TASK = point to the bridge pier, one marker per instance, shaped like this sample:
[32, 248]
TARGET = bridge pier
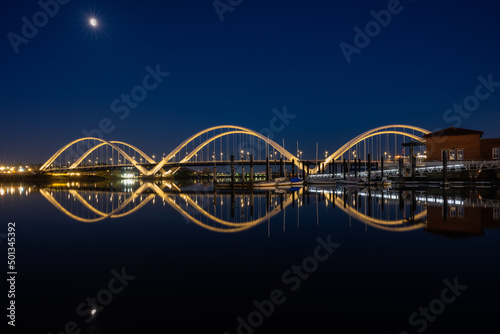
[268, 169]
[293, 167]
[251, 173]
[232, 169]
[412, 161]
[369, 167]
[445, 170]
[281, 167]
[215, 175]
[381, 167]
[345, 169]
[400, 171]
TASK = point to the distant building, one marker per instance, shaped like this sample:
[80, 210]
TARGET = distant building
[461, 144]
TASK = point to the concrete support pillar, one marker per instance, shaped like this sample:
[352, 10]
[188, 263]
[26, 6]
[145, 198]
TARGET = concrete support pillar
[251, 169]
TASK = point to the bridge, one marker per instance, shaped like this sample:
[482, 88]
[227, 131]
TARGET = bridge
[227, 145]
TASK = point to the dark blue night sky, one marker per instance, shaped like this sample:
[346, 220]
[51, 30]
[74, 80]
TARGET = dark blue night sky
[262, 55]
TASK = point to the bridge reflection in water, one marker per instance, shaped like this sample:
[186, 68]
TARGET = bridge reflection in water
[230, 211]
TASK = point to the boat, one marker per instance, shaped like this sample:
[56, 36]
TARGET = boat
[265, 184]
[352, 181]
[296, 181]
[282, 181]
[323, 180]
[385, 182]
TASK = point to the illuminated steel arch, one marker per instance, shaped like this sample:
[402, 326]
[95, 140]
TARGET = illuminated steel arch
[230, 130]
[168, 157]
[238, 130]
[82, 158]
[387, 129]
[103, 143]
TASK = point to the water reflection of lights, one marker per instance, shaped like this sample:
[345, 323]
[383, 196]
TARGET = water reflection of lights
[15, 191]
[203, 208]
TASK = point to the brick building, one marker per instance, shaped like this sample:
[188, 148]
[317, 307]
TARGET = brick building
[461, 144]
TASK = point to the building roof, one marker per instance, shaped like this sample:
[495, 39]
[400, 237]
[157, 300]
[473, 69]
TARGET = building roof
[452, 131]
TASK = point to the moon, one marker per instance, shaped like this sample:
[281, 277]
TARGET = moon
[93, 22]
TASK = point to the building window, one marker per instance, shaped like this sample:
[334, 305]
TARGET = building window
[451, 154]
[460, 211]
[453, 211]
[496, 213]
[495, 153]
[460, 154]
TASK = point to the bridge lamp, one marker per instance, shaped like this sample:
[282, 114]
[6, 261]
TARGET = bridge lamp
[154, 157]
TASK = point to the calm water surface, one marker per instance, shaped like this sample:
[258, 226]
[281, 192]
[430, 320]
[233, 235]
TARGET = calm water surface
[153, 257]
